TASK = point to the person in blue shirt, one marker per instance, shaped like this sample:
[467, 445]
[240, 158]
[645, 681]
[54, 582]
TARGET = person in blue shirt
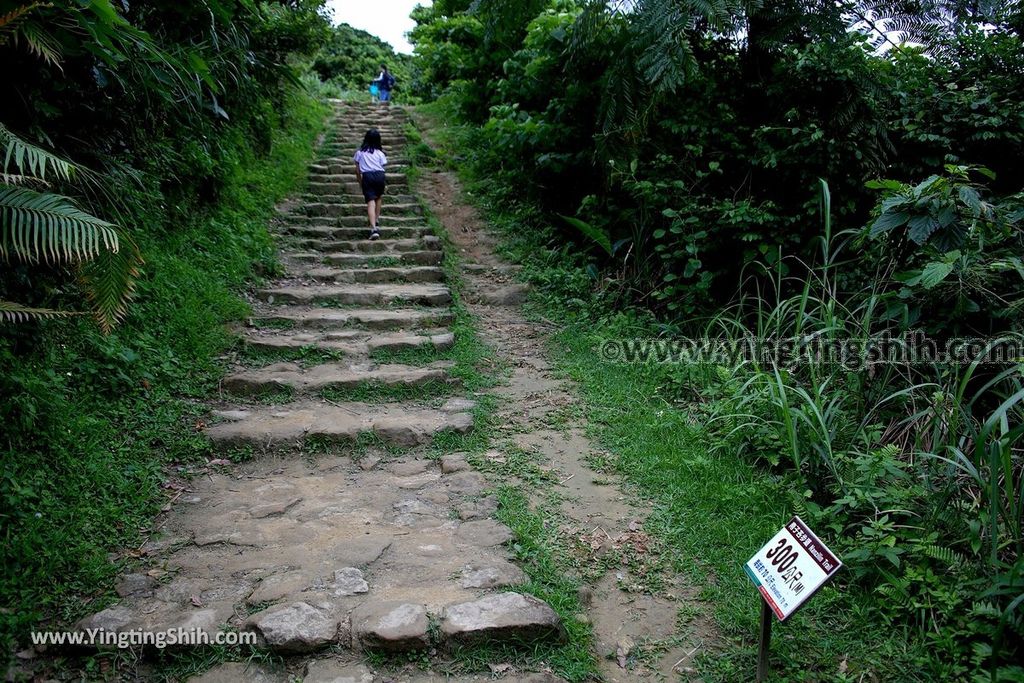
[385, 82]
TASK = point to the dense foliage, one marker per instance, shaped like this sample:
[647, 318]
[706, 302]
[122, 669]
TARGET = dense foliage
[351, 58]
[793, 171]
[172, 127]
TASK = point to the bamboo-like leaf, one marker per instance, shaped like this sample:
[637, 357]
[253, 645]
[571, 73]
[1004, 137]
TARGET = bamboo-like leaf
[28, 159]
[11, 312]
[38, 226]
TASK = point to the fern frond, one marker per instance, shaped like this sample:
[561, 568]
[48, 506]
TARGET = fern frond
[35, 160]
[17, 179]
[36, 225]
[109, 283]
[40, 42]
[947, 556]
[11, 312]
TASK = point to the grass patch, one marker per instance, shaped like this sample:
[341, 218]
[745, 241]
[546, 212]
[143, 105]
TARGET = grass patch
[710, 512]
[380, 393]
[92, 421]
[539, 553]
[306, 356]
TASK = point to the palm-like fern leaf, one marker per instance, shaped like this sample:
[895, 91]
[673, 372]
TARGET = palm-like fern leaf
[109, 282]
[31, 160]
[36, 225]
[11, 312]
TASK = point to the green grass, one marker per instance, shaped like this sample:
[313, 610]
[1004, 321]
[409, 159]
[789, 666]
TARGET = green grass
[92, 421]
[378, 393]
[710, 513]
[306, 356]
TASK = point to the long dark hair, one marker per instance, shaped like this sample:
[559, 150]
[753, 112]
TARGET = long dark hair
[371, 141]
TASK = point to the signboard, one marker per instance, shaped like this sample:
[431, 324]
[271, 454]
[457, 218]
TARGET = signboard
[791, 567]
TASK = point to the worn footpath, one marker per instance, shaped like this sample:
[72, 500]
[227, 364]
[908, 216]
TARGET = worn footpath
[349, 533]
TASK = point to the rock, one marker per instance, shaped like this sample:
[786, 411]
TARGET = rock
[132, 585]
[359, 551]
[231, 415]
[113, 619]
[273, 509]
[298, 627]
[455, 462]
[458, 405]
[511, 295]
[504, 616]
[349, 581]
[466, 483]
[485, 533]
[409, 468]
[391, 626]
[331, 671]
[207, 620]
[495, 574]
[413, 506]
[277, 586]
[478, 509]
[368, 463]
[238, 672]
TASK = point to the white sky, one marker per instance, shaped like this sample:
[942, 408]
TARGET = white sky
[387, 19]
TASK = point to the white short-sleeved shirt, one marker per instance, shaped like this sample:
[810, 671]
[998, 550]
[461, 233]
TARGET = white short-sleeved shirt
[369, 162]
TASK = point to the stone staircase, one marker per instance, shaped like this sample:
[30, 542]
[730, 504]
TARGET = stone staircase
[336, 554]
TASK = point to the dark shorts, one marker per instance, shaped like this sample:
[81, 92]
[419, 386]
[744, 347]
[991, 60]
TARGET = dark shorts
[373, 185]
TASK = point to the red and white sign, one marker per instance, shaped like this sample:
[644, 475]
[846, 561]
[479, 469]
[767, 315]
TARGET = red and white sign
[791, 568]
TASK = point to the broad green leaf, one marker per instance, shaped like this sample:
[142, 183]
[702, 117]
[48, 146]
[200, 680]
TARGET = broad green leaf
[594, 233]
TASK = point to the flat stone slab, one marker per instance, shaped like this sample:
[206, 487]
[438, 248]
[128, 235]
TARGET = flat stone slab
[395, 424]
[409, 274]
[485, 533]
[359, 295]
[455, 462]
[239, 672]
[502, 617]
[356, 344]
[493, 574]
[357, 318]
[333, 376]
[331, 671]
[511, 295]
[392, 626]
[298, 627]
[427, 257]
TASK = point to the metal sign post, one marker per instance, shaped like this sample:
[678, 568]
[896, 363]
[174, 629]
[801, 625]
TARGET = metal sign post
[787, 571]
[766, 641]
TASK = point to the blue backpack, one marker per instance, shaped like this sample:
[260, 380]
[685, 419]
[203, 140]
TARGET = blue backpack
[388, 82]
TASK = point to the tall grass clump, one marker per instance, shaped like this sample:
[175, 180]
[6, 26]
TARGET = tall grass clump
[914, 468]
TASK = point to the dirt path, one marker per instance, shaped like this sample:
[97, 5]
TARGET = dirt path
[638, 631]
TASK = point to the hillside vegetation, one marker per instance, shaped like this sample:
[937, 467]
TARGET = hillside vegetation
[801, 173]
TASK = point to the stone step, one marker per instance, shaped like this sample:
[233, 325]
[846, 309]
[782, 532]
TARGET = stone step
[358, 295]
[349, 221]
[322, 208]
[343, 165]
[333, 376]
[426, 258]
[315, 318]
[330, 180]
[369, 275]
[333, 193]
[357, 205]
[349, 342]
[367, 246]
[396, 424]
[354, 232]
